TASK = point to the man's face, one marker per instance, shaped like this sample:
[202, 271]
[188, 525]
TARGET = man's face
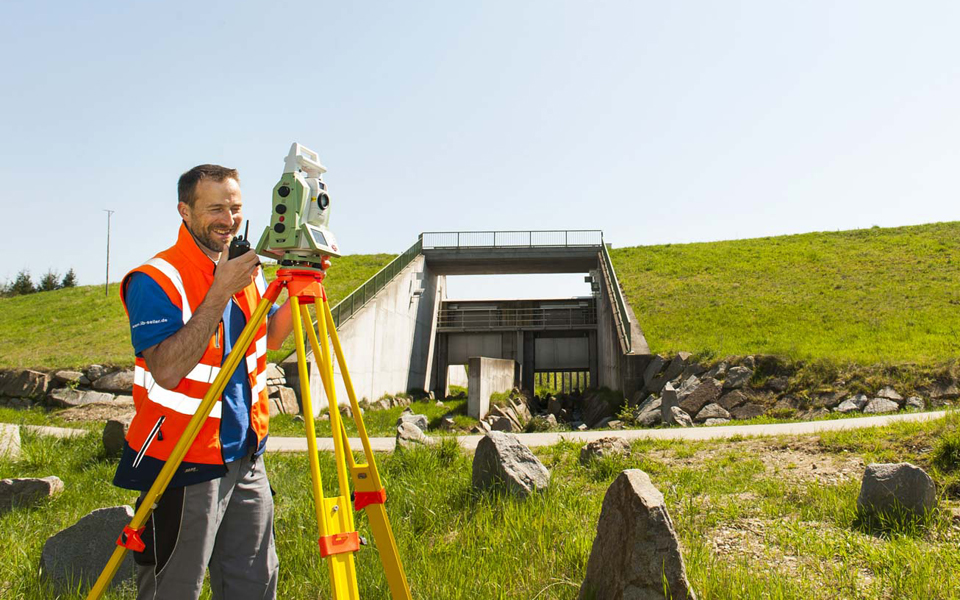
[215, 216]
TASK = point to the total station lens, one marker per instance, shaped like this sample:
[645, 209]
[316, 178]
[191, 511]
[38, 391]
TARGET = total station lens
[284, 191]
[323, 201]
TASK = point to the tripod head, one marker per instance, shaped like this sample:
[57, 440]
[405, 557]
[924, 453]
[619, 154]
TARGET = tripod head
[297, 235]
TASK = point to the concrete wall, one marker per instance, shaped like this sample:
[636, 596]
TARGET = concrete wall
[388, 344]
[456, 375]
[487, 376]
[609, 352]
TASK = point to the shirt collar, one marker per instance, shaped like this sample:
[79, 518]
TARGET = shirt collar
[188, 245]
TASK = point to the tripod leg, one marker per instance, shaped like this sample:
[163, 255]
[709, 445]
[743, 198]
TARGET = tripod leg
[367, 482]
[183, 444]
[334, 518]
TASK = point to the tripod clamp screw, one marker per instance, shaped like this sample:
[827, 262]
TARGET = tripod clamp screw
[130, 539]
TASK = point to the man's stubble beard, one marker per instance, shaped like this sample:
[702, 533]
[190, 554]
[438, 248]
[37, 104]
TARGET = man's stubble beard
[208, 242]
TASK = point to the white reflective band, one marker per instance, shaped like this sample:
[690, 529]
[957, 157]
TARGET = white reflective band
[261, 282]
[251, 364]
[200, 373]
[176, 401]
[260, 384]
[203, 373]
[261, 346]
[174, 276]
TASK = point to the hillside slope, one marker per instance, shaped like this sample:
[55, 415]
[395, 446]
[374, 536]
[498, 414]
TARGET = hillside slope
[866, 296]
[79, 326]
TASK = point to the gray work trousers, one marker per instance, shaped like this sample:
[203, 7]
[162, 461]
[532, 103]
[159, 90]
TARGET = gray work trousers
[225, 524]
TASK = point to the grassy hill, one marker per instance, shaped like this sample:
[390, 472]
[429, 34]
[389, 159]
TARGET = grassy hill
[866, 296]
[80, 326]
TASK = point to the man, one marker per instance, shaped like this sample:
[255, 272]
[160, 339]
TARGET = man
[187, 307]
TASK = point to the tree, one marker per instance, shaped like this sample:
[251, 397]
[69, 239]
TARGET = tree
[49, 282]
[69, 280]
[22, 284]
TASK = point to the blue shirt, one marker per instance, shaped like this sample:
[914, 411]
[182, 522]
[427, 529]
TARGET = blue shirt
[154, 318]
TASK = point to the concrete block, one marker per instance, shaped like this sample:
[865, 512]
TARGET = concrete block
[487, 376]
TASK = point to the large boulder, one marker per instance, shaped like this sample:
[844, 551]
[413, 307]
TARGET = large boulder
[115, 432]
[648, 413]
[737, 377]
[75, 556]
[24, 383]
[673, 370]
[501, 460]
[890, 394]
[595, 409]
[712, 411]
[706, 393]
[118, 382]
[67, 377]
[653, 369]
[283, 401]
[880, 406]
[731, 400]
[26, 492]
[409, 435]
[9, 442]
[897, 490]
[608, 446]
[69, 398]
[679, 417]
[636, 554]
[747, 411]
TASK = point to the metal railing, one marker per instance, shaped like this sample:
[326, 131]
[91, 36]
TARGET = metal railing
[574, 238]
[458, 319]
[349, 306]
[623, 317]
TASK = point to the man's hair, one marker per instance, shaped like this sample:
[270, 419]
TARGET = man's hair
[187, 186]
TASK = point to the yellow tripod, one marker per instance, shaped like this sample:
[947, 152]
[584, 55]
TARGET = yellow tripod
[335, 521]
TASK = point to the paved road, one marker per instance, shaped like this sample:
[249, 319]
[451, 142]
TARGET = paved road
[469, 442]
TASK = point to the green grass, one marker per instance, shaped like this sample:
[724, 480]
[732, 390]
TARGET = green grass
[380, 423]
[865, 296]
[801, 538]
[76, 327]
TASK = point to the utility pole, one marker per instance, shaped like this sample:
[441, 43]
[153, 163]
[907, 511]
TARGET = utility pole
[106, 283]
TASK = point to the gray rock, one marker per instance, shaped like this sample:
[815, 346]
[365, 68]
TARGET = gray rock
[409, 435]
[70, 398]
[118, 382]
[649, 413]
[737, 377]
[447, 423]
[615, 424]
[692, 370]
[778, 384]
[596, 409]
[636, 554]
[749, 362]
[829, 400]
[675, 368]
[718, 370]
[68, 377]
[915, 403]
[892, 488]
[275, 375]
[813, 414]
[706, 393]
[283, 401]
[94, 372]
[943, 390]
[75, 556]
[847, 406]
[299, 419]
[502, 460]
[499, 423]
[712, 411]
[608, 446]
[860, 400]
[668, 400]
[731, 400]
[679, 417]
[24, 383]
[653, 369]
[747, 411]
[605, 423]
[9, 441]
[508, 413]
[890, 394]
[26, 492]
[420, 421]
[879, 406]
[114, 434]
[710, 422]
[581, 427]
[687, 387]
[554, 405]
[551, 421]
[787, 403]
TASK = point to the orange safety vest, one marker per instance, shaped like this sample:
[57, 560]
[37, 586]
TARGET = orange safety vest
[185, 273]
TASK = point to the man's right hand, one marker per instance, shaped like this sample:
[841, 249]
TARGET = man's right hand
[232, 276]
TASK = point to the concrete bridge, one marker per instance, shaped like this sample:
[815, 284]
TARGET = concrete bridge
[400, 333]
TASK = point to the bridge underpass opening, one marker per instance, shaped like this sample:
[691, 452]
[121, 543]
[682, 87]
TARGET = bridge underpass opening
[517, 287]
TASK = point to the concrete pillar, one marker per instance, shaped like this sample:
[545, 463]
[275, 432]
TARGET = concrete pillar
[487, 376]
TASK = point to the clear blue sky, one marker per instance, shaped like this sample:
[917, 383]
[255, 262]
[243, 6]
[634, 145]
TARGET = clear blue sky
[657, 122]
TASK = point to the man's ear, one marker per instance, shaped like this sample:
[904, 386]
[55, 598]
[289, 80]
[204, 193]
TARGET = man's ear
[184, 210]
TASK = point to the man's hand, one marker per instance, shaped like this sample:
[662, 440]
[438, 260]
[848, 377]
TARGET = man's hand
[232, 276]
